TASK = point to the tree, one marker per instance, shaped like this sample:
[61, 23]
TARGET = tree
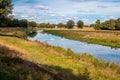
[70, 24]
[97, 25]
[6, 7]
[33, 24]
[104, 25]
[80, 24]
[61, 25]
[42, 25]
[92, 25]
[50, 25]
[117, 26]
[23, 23]
[111, 24]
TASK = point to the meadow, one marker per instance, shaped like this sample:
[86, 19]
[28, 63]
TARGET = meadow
[102, 37]
[28, 60]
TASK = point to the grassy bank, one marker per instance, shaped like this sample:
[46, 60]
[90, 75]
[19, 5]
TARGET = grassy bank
[26, 60]
[107, 38]
[21, 59]
[14, 32]
[17, 32]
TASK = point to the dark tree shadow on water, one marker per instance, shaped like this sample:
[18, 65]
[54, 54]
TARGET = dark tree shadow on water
[12, 67]
[32, 34]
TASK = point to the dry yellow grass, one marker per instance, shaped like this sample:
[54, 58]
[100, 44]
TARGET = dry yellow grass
[84, 28]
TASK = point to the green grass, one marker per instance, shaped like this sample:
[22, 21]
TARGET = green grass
[61, 62]
[21, 59]
[106, 38]
[14, 32]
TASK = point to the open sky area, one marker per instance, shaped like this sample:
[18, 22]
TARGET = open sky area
[56, 11]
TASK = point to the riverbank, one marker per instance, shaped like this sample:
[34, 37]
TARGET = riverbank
[63, 62]
[17, 32]
[31, 60]
[106, 38]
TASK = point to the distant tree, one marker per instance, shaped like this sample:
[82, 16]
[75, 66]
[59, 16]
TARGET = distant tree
[50, 25]
[111, 24]
[86, 25]
[105, 25]
[117, 26]
[42, 25]
[23, 23]
[15, 23]
[33, 24]
[70, 24]
[46, 25]
[97, 25]
[6, 7]
[61, 25]
[80, 24]
[92, 25]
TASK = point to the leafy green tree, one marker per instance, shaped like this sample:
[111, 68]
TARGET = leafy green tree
[97, 25]
[6, 7]
[111, 24]
[50, 25]
[23, 23]
[117, 26]
[15, 23]
[46, 25]
[80, 24]
[61, 25]
[42, 25]
[33, 24]
[70, 24]
[92, 25]
[104, 25]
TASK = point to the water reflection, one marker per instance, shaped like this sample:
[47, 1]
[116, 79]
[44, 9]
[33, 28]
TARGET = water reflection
[32, 34]
[99, 51]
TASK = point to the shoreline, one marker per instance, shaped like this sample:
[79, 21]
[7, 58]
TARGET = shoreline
[84, 36]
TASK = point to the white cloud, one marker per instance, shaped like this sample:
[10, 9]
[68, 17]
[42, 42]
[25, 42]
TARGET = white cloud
[52, 10]
[112, 17]
[41, 7]
[86, 11]
[102, 6]
[51, 13]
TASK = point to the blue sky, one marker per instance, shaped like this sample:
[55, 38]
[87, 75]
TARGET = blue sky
[56, 11]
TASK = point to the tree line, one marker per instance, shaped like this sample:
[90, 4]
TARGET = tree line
[107, 25]
[69, 24]
[6, 20]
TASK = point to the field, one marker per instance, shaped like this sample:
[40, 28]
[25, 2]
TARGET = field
[84, 28]
[14, 32]
[107, 38]
[21, 59]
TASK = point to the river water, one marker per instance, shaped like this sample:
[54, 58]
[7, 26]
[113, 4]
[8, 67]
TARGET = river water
[99, 51]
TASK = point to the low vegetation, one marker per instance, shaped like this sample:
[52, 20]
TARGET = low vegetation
[111, 24]
[29, 60]
[14, 32]
[107, 38]
[21, 59]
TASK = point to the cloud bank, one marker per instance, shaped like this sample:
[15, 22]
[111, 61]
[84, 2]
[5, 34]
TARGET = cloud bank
[55, 11]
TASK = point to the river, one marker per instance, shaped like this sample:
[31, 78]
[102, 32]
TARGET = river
[99, 51]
